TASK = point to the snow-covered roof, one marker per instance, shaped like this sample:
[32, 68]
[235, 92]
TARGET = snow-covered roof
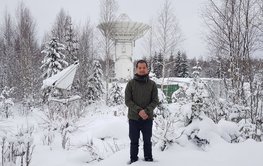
[172, 81]
[179, 80]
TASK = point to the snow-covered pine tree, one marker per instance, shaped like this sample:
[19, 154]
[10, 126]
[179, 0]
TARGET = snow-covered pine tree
[198, 98]
[184, 66]
[157, 65]
[177, 66]
[154, 64]
[95, 86]
[54, 61]
[180, 67]
[197, 93]
[116, 96]
[72, 45]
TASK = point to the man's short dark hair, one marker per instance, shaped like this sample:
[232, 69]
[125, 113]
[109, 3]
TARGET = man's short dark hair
[141, 61]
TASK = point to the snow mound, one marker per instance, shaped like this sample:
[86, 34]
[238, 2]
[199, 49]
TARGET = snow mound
[110, 127]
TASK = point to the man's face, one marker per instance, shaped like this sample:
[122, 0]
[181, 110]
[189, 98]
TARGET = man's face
[142, 69]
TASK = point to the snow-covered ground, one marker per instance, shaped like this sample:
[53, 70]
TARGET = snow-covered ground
[224, 154]
[106, 130]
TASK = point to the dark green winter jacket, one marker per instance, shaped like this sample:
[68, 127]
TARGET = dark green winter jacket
[141, 93]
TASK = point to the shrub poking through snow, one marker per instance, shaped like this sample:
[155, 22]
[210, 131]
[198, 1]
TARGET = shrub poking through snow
[116, 97]
[164, 123]
[18, 148]
[6, 102]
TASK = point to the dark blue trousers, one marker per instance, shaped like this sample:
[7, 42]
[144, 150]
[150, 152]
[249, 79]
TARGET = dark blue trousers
[145, 126]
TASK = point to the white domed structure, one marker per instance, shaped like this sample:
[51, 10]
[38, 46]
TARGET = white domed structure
[124, 34]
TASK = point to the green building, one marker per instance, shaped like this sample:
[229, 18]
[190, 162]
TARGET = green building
[168, 90]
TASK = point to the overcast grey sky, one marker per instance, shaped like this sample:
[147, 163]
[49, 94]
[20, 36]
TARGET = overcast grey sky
[188, 14]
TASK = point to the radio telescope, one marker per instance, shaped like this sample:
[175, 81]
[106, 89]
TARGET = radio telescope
[124, 33]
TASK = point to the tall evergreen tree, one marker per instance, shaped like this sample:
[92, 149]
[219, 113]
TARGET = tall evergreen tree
[197, 93]
[71, 42]
[178, 61]
[157, 65]
[116, 97]
[180, 68]
[183, 67]
[95, 86]
[54, 60]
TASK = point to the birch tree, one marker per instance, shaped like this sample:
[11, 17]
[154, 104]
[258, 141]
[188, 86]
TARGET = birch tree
[168, 33]
[108, 9]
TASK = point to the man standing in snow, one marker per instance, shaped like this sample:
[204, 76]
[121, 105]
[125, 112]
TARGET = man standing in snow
[141, 98]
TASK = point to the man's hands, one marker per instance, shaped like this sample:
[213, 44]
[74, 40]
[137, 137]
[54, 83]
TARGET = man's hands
[143, 114]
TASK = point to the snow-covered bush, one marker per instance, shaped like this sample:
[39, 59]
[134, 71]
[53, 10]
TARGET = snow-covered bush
[229, 131]
[27, 105]
[115, 96]
[202, 130]
[100, 149]
[92, 150]
[49, 127]
[6, 102]
[104, 141]
[163, 123]
[53, 124]
[66, 128]
[164, 131]
[196, 120]
[18, 149]
[247, 129]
